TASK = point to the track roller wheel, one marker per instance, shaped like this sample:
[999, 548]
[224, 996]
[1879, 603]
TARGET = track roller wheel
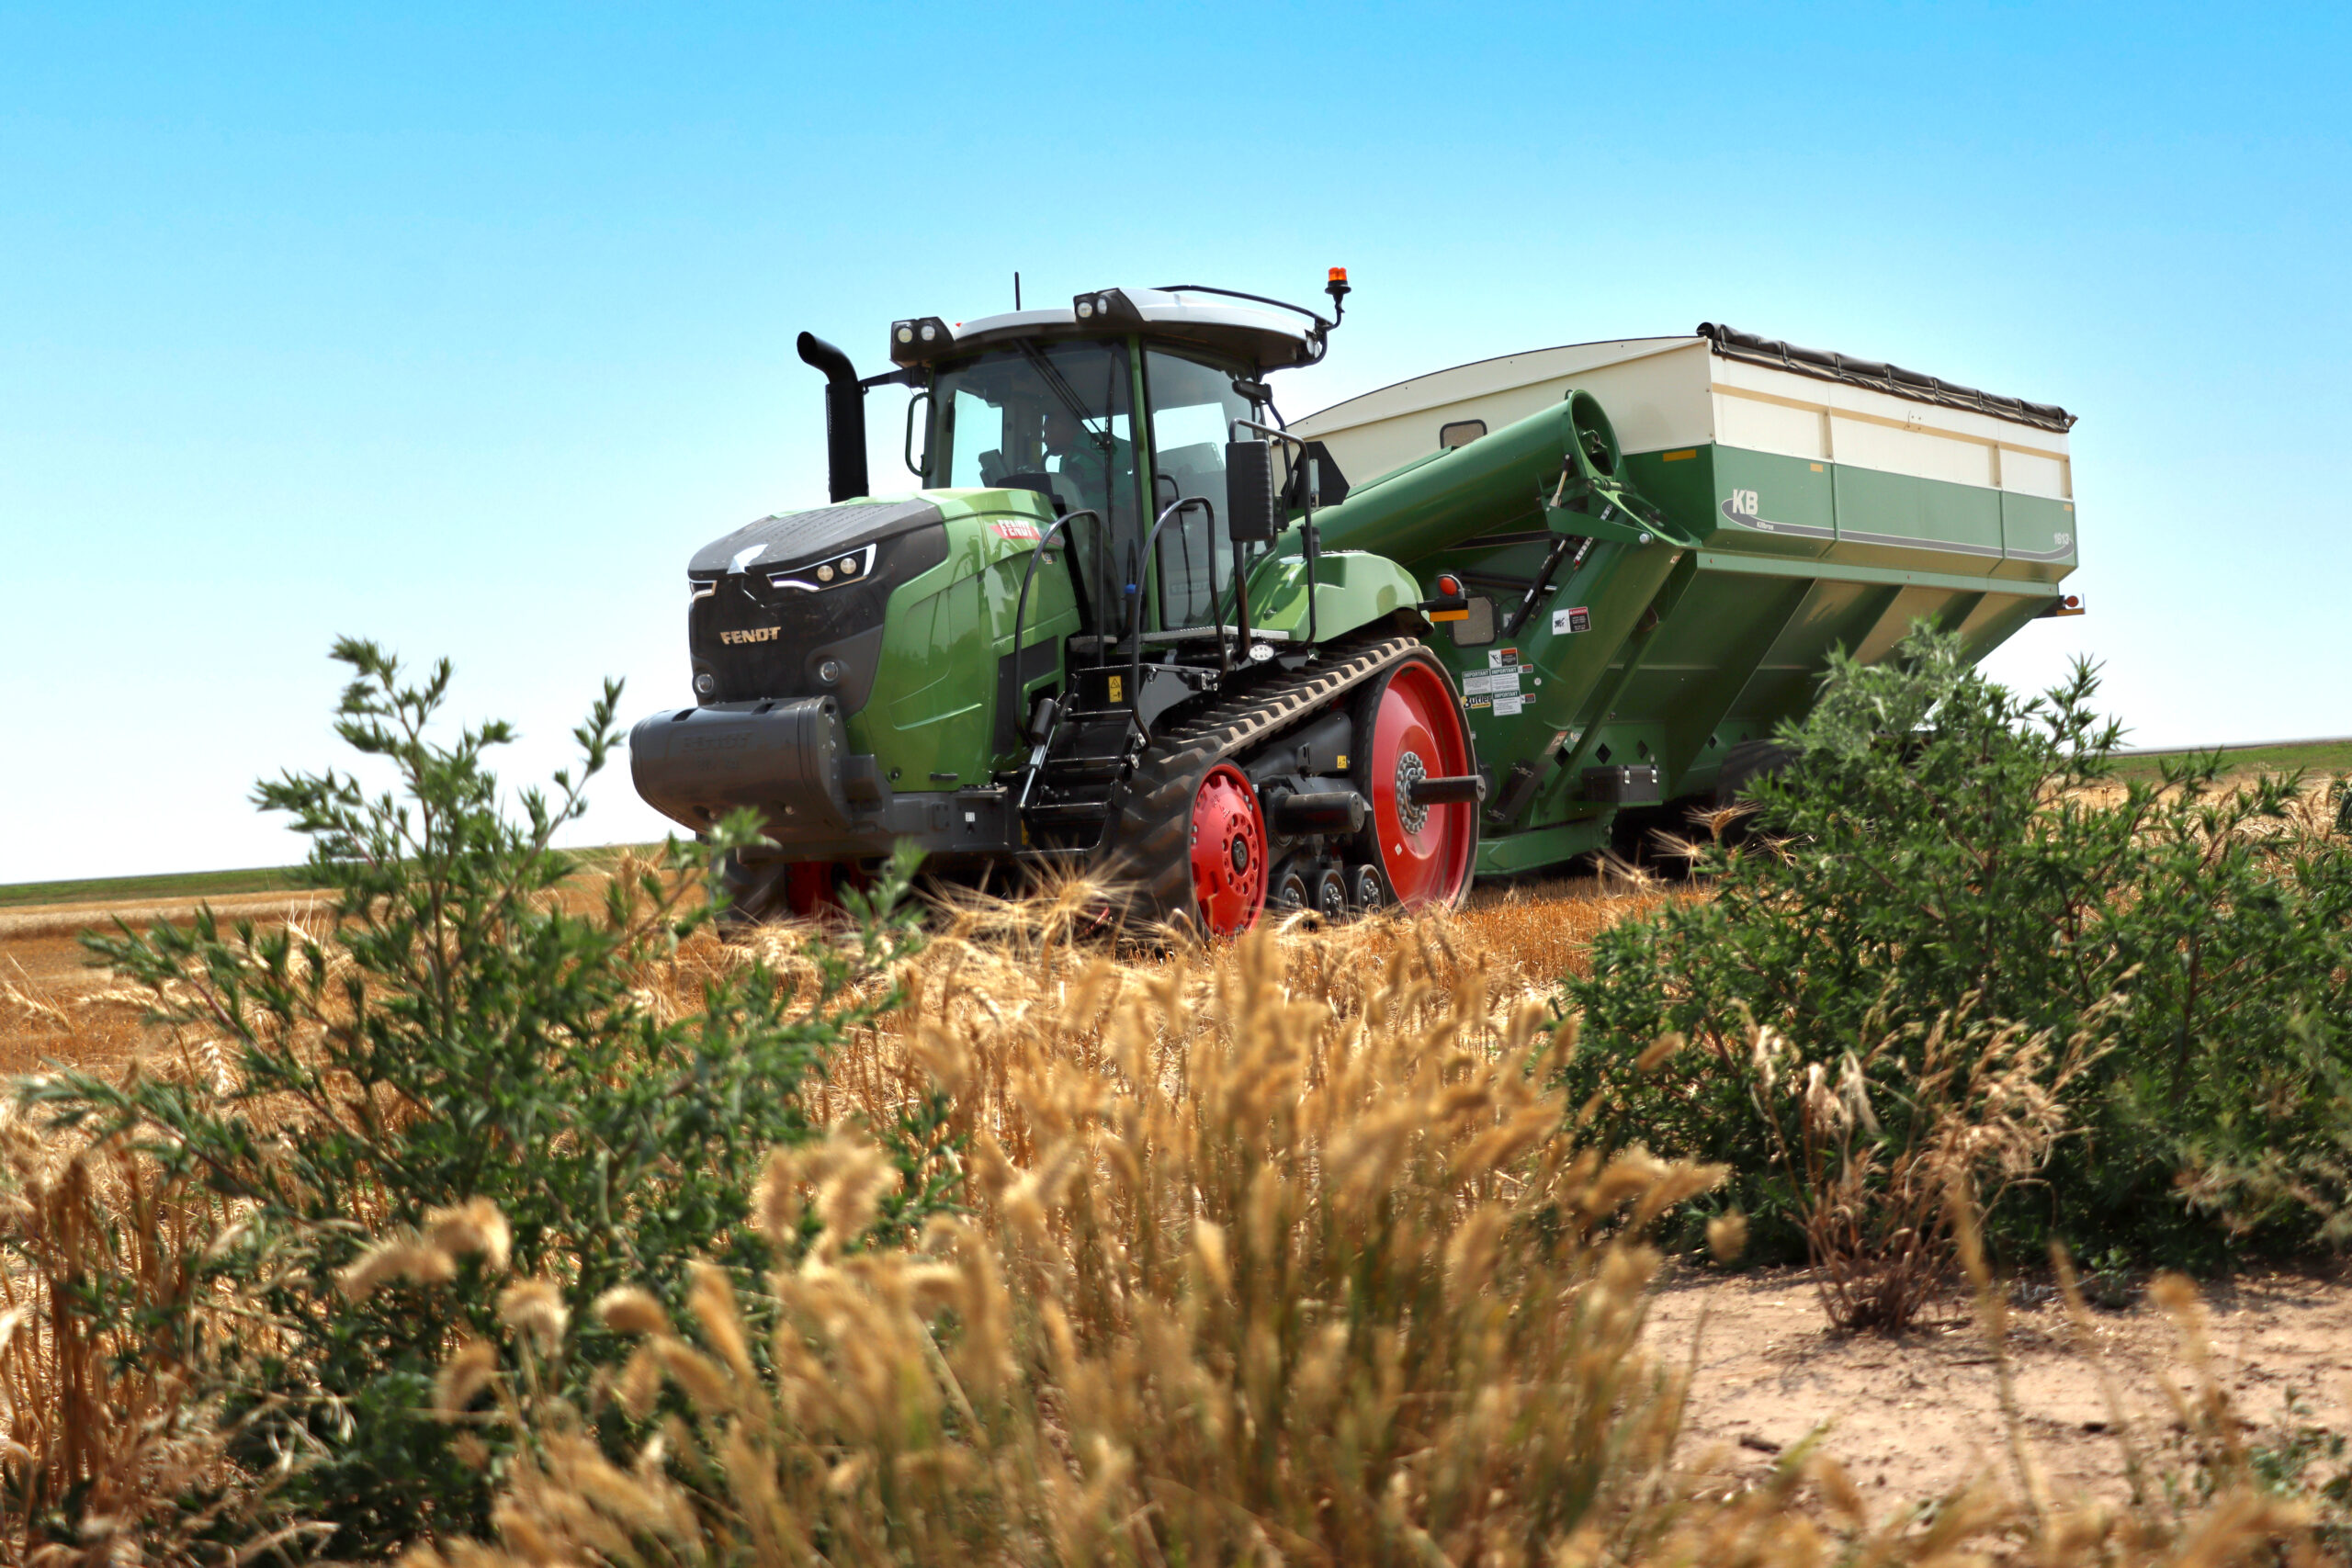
[1228, 845]
[1331, 896]
[1289, 893]
[1366, 892]
[1410, 727]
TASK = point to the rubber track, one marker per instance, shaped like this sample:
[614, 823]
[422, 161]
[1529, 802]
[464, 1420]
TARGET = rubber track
[1149, 845]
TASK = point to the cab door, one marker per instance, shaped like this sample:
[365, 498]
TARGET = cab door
[1193, 406]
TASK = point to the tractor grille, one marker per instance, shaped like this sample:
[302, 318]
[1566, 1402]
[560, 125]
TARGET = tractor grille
[756, 638]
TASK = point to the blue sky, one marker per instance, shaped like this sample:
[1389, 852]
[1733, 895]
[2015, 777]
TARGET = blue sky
[461, 327]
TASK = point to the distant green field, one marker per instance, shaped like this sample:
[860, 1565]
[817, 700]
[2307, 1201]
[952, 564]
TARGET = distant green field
[2318, 758]
[204, 883]
[184, 885]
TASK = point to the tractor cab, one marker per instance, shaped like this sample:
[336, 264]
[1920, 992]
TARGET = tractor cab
[1118, 409]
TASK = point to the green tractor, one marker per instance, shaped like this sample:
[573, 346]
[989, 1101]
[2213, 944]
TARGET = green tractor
[1102, 635]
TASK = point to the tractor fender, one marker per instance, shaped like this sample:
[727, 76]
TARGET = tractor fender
[1352, 590]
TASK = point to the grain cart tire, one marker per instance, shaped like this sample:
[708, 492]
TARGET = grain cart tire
[1644, 835]
[1408, 727]
[755, 891]
[1743, 765]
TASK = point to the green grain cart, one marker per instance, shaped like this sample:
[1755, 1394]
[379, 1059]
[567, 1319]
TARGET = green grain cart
[1134, 624]
[1779, 502]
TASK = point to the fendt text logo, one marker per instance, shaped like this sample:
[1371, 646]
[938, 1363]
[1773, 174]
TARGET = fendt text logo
[757, 634]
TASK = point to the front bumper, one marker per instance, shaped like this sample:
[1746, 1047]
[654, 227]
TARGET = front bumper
[790, 761]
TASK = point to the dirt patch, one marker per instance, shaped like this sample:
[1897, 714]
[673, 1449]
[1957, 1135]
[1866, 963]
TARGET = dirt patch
[1916, 1416]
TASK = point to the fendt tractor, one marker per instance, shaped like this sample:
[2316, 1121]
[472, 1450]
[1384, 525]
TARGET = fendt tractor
[1137, 624]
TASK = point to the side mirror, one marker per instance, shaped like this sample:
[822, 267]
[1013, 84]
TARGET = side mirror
[1249, 511]
[1314, 462]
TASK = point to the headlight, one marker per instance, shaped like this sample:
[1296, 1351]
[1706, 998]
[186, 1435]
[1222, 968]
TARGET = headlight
[814, 577]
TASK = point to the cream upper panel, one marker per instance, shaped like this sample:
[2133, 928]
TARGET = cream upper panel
[2030, 475]
[1664, 393]
[1737, 374]
[1654, 388]
[1483, 377]
[1766, 410]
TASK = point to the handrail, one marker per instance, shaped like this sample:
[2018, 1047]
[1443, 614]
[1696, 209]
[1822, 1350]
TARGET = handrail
[1143, 597]
[1269, 431]
[907, 439]
[1021, 606]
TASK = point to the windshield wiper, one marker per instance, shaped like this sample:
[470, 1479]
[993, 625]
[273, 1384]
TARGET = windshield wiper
[1050, 374]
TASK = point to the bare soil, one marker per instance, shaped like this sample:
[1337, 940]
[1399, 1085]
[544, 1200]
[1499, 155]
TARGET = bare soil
[1914, 1415]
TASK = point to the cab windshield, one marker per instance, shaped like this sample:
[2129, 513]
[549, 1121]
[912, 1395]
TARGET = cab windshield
[1046, 417]
[1053, 418]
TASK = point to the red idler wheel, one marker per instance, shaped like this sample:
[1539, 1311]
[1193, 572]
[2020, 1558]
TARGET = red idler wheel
[1416, 729]
[809, 887]
[1228, 843]
[812, 888]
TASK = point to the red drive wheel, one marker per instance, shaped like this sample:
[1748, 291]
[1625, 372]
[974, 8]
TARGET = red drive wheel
[1228, 848]
[1415, 731]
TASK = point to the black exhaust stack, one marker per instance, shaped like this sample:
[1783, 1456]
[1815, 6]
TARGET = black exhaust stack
[845, 416]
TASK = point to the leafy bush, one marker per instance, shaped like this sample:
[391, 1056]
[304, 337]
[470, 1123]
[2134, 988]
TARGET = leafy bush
[1943, 854]
[460, 1062]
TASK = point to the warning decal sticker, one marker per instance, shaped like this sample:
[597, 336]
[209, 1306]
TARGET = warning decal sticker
[1576, 620]
[1497, 686]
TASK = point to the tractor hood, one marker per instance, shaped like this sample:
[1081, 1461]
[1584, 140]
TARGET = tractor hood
[790, 540]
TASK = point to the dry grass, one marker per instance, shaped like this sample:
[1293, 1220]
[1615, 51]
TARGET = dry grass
[1279, 1254]
[1543, 928]
[114, 1450]
[1275, 1252]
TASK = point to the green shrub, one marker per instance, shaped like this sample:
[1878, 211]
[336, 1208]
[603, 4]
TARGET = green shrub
[1943, 851]
[457, 1061]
